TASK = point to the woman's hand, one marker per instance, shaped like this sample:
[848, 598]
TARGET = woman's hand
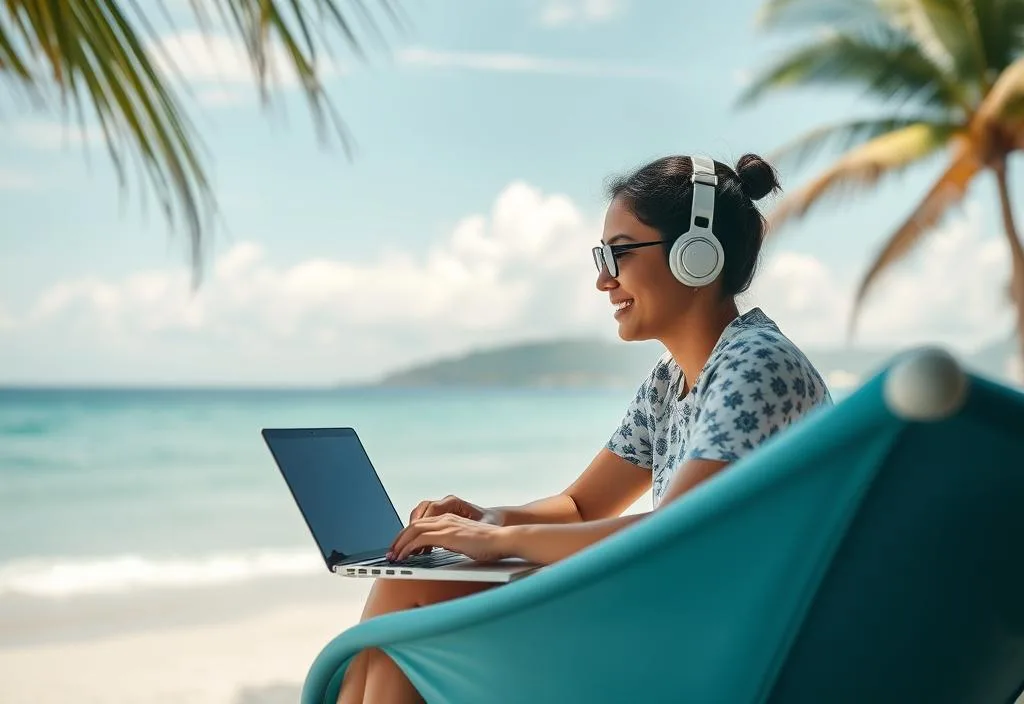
[474, 539]
[458, 507]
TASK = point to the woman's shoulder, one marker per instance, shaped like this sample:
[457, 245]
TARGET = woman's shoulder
[655, 386]
[759, 351]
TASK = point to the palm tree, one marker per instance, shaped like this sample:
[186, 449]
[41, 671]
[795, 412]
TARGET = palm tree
[90, 57]
[950, 75]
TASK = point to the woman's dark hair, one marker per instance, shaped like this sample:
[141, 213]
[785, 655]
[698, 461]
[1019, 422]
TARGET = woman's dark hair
[660, 194]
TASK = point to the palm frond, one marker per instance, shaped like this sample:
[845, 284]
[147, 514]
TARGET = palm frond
[97, 57]
[1001, 25]
[846, 135]
[1004, 103]
[888, 64]
[864, 166]
[948, 190]
[948, 31]
[775, 14]
[11, 61]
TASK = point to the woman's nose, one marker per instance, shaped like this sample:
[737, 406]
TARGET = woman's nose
[605, 281]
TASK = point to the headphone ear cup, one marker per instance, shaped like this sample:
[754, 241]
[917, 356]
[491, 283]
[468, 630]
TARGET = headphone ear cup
[696, 260]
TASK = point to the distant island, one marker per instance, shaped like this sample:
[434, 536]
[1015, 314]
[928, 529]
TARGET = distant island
[558, 363]
[595, 363]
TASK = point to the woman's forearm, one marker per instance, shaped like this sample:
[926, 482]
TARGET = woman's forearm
[545, 544]
[559, 508]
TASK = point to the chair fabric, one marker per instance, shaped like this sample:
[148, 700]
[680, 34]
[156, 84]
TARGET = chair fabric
[860, 556]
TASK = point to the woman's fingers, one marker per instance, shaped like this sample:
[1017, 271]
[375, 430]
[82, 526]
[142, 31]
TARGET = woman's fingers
[426, 509]
[430, 509]
[449, 504]
[410, 533]
[421, 508]
[422, 541]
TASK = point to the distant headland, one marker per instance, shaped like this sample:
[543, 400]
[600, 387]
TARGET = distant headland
[595, 363]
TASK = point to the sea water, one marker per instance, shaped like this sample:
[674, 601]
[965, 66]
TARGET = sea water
[117, 491]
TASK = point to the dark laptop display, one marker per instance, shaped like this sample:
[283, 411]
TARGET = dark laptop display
[337, 490]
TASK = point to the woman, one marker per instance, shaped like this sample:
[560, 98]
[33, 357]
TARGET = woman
[681, 239]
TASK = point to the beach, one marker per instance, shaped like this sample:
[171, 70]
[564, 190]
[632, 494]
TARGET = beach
[237, 645]
[150, 552]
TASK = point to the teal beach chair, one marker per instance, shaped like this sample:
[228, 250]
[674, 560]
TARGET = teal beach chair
[872, 553]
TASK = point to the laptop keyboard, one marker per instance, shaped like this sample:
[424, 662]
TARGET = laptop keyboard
[435, 558]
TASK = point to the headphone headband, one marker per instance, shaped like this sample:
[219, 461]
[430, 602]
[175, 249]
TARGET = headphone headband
[704, 180]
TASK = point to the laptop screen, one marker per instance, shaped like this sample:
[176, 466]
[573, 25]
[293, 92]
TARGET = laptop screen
[337, 491]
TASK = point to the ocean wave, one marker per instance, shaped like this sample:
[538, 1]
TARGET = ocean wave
[26, 427]
[127, 573]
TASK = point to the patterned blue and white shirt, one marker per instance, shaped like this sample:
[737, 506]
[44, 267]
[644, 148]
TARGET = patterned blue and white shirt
[755, 383]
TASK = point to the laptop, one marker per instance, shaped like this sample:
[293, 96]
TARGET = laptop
[351, 516]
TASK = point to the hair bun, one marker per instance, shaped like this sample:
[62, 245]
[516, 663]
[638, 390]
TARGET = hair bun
[757, 176]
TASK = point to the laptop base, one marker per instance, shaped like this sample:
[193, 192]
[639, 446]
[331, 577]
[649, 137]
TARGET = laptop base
[499, 572]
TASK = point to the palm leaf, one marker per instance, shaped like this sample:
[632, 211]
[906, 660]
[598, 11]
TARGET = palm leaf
[96, 56]
[1001, 25]
[948, 31]
[10, 59]
[1005, 101]
[829, 13]
[948, 190]
[845, 135]
[864, 166]
[888, 64]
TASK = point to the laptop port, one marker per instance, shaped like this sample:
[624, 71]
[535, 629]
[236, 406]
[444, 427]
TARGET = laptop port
[376, 572]
[406, 571]
[351, 571]
[389, 571]
[362, 571]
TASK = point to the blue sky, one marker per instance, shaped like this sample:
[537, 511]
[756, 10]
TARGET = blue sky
[484, 137]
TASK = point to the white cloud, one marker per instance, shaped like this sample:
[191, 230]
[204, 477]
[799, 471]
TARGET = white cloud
[13, 180]
[523, 63]
[949, 292]
[223, 97]
[220, 66]
[742, 77]
[204, 58]
[53, 135]
[558, 13]
[521, 271]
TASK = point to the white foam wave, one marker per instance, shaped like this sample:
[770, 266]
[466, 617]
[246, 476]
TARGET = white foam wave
[125, 573]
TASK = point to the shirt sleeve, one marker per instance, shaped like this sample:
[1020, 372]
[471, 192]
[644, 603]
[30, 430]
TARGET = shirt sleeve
[753, 394]
[632, 440]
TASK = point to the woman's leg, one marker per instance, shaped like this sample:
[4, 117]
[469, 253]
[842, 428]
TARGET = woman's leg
[373, 676]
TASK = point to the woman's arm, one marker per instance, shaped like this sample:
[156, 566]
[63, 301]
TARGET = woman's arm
[539, 543]
[545, 544]
[607, 487]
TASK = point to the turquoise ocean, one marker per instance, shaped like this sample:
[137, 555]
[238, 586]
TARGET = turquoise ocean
[123, 491]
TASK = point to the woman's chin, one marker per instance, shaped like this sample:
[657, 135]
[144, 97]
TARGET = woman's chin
[630, 333]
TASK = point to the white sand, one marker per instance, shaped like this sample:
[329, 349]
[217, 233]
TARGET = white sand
[262, 659]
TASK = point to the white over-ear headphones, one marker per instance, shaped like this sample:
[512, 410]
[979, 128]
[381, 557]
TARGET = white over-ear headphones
[696, 257]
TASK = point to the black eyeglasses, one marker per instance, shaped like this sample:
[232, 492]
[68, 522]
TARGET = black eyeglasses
[604, 256]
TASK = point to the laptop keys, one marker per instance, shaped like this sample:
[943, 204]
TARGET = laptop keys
[432, 559]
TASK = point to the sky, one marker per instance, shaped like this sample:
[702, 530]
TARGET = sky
[484, 134]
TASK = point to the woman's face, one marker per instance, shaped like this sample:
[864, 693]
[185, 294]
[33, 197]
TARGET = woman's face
[647, 296]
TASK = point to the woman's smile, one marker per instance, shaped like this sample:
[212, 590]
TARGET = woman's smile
[622, 307]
